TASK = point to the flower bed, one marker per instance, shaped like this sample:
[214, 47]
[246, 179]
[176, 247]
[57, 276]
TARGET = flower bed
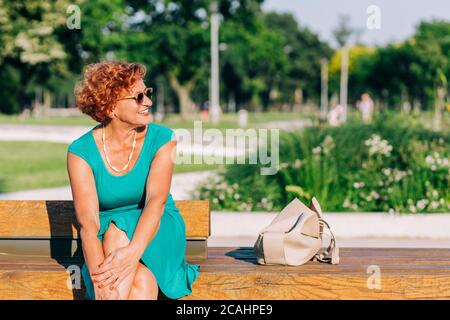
[391, 165]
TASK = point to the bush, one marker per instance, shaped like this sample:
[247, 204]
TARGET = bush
[392, 164]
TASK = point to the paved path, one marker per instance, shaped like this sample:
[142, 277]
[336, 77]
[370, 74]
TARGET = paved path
[67, 134]
[221, 147]
[288, 124]
[182, 185]
[22, 132]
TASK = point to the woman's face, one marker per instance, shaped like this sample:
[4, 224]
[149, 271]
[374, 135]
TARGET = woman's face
[129, 110]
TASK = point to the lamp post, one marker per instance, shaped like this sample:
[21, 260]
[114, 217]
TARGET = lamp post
[344, 81]
[324, 88]
[214, 88]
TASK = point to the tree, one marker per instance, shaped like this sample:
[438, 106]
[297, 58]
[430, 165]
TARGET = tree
[304, 51]
[178, 38]
[360, 68]
[253, 63]
[31, 52]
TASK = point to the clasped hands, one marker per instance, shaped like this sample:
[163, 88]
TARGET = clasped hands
[115, 268]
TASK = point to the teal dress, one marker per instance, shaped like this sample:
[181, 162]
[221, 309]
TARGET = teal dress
[122, 199]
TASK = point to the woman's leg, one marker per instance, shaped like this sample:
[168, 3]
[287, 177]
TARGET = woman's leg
[115, 238]
[144, 285]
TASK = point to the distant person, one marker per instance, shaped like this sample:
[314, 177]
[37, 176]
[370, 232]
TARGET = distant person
[335, 115]
[365, 106]
[204, 111]
[133, 235]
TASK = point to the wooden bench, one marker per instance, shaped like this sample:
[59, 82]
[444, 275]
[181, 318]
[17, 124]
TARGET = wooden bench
[39, 243]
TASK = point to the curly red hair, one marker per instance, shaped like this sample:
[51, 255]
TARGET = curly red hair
[102, 83]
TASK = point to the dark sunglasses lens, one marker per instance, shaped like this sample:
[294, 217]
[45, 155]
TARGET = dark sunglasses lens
[148, 92]
[140, 98]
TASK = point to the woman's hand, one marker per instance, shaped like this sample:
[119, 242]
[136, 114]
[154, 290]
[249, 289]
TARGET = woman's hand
[117, 266]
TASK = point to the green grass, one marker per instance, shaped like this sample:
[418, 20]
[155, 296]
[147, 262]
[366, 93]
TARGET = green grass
[33, 165]
[30, 165]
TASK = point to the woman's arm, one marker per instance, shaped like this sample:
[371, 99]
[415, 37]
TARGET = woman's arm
[86, 209]
[158, 187]
[124, 260]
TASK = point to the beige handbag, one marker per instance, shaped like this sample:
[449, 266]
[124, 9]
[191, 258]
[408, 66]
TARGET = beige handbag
[294, 237]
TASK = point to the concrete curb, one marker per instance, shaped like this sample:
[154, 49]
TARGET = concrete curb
[344, 225]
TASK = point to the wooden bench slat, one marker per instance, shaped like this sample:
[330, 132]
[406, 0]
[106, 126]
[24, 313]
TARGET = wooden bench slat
[224, 275]
[52, 219]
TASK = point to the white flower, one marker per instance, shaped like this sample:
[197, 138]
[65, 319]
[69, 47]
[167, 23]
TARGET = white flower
[328, 145]
[378, 146]
[297, 163]
[215, 200]
[317, 150]
[374, 194]
[434, 205]
[245, 206]
[435, 193]
[435, 161]
[346, 203]
[236, 196]
[358, 185]
[421, 204]
[398, 175]
[269, 206]
[283, 165]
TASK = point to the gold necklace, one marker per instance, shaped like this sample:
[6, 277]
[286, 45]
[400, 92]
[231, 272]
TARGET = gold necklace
[106, 155]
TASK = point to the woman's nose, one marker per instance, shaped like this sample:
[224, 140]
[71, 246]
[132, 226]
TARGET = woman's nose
[148, 101]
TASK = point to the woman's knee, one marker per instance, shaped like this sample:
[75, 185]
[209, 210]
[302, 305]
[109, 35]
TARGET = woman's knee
[145, 285]
[114, 237]
[144, 277]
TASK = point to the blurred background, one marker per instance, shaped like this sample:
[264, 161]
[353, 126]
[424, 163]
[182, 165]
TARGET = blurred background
[359, 90]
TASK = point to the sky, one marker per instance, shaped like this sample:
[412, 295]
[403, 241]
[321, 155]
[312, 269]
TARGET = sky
[397, 18]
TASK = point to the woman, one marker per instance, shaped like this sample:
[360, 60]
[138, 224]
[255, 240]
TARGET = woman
[120, 171]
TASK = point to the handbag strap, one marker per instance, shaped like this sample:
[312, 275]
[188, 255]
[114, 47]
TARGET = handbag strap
[330, 254]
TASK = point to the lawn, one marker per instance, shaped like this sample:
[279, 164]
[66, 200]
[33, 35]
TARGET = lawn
[31, 165]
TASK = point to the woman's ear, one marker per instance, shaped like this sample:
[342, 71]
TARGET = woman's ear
[112, 113]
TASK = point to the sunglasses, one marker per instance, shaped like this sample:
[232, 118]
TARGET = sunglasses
[139, 97]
